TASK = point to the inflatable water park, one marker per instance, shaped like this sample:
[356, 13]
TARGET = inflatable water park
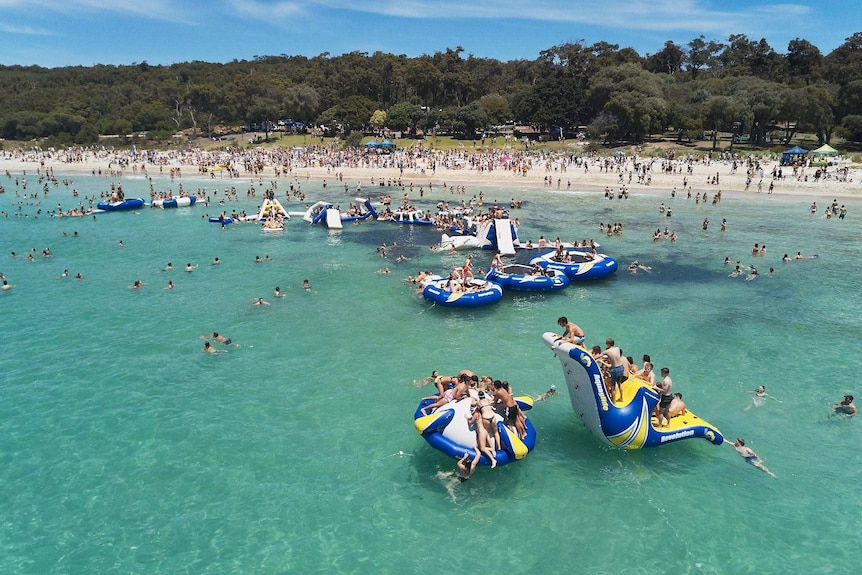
[408, 217]
[628, 423]
[492, 234]
[271, 214]
[324, 213]
[520, 277]
[450, 292]
[577, 263]
[174, 202]
[450, 428]
[120, 205]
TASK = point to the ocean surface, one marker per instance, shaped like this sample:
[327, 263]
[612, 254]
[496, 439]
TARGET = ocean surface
[124, 449]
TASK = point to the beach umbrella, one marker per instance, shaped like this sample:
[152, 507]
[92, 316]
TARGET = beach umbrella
[372, 144]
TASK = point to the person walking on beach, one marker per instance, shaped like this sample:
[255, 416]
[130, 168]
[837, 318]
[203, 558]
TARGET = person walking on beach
[750, 456]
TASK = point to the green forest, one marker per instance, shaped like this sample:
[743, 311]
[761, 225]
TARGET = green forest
[695, 90]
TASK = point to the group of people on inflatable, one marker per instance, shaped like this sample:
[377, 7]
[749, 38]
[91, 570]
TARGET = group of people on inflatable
[489, 398]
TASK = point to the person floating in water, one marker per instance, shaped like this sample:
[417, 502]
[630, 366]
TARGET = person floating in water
[845, 407]
[759, 398]
[750, 456]
[547, 394]
[209, 348]
[465, 470]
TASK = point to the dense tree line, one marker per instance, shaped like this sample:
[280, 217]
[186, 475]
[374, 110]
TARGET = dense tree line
[741, 86]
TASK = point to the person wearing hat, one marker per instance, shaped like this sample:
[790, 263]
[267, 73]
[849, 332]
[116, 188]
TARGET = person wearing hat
[846, 407]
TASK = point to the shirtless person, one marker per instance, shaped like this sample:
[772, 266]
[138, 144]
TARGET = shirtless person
[677, 405]
[572, 333]
[647, 374]
[665, 388]
[750, 456]
[614, 356]
[845, 407]
[504, 396]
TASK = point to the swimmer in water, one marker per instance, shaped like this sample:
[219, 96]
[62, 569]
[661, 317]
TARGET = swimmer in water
[759, 398]
[750, 456]
[752, 274]
[426, 380]
[465, 470]
[845, 407]
[547, 394]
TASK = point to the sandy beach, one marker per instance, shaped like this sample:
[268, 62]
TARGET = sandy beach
[531, 171]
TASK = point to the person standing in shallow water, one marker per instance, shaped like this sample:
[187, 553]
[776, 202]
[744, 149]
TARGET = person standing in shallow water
[845, 407]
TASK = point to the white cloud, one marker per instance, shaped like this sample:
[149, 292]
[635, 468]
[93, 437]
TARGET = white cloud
[150, 9]
[654, 15]
[266, 11]
[25, 30]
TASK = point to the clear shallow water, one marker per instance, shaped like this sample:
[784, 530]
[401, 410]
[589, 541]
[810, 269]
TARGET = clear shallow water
[124, 449]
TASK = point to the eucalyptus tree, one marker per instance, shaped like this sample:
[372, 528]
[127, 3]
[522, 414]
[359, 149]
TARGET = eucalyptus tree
[803, 61]
[701, 55]
[668, 60]
[844, 63]
[635, 97]
[403, 116]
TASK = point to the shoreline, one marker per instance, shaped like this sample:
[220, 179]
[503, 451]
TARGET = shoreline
[563, 178]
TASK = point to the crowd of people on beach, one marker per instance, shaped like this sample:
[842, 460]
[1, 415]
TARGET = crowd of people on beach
[237, 164]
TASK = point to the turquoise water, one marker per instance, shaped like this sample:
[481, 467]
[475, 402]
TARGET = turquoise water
[124, 449]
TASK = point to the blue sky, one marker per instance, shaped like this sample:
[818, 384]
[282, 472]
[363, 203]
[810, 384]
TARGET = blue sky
[86, 32]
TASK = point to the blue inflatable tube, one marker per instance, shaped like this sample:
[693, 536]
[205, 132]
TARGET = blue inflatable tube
[217, 220]
[127, 204]
[180, 202]
[518, 277]
[486, 293]
[583, 266]
[448, 431]
[629, 423]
